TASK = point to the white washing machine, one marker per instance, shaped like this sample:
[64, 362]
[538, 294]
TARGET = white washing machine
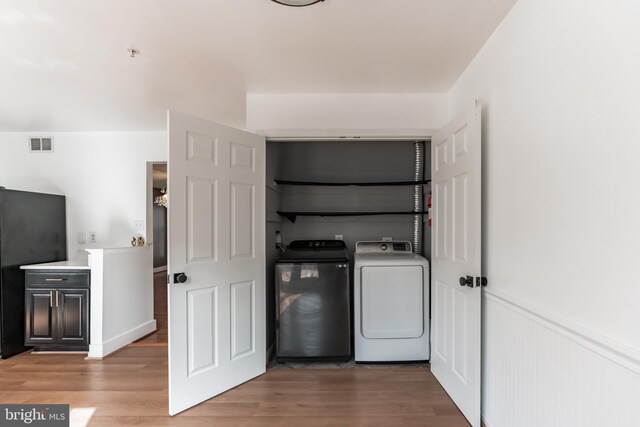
[391, 303]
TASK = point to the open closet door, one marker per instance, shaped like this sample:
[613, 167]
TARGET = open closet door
[216, 218]
[456, 254]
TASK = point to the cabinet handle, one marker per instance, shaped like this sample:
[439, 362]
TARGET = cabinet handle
[50, 298]
[54, 280]
[56, 298]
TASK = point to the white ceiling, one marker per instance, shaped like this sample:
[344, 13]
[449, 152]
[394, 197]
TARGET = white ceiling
[64, 64]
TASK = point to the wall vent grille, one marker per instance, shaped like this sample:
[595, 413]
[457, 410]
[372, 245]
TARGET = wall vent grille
[41, 144]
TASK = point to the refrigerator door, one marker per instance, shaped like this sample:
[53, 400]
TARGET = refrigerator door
[32, 231]
[312, 312]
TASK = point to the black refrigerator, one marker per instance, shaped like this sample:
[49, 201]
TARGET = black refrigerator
[32, 231]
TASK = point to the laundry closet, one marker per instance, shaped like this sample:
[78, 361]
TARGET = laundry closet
[344, 201]
[307, 198]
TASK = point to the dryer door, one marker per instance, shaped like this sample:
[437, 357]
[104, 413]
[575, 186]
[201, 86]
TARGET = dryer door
[392, 302]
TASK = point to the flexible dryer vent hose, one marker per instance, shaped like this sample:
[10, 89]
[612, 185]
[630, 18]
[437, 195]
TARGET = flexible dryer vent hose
[417, 198]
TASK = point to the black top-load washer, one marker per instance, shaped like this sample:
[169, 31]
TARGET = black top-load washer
[313, 301]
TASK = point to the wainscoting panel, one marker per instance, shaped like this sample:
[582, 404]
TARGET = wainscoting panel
[541, 371]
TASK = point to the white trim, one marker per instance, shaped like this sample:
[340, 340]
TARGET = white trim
[160, 269]
[484, 421]
[616, 351]
[102, 350]
[96, 294]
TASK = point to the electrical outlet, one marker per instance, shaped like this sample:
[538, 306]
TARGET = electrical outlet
[339, 237]
[91, 235]
[82, 237]
[387, 239]
[139, 224]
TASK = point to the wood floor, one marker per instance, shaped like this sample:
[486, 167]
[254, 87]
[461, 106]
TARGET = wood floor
[130, 388]
[159, 312]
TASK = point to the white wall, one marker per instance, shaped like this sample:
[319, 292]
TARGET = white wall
[390, 114]
[121, 297]
[560, 86]
[102, 174]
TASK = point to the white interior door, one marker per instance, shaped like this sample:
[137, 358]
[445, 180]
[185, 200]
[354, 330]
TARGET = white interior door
[216, 186]
[456, 254]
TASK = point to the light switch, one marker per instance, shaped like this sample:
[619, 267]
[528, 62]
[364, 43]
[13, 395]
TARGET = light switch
[92, 236]
[82, 237]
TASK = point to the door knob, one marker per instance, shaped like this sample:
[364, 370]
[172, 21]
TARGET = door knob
[466, 281]
[180, 278]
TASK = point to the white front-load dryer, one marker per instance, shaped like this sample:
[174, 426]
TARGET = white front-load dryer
[391, 303]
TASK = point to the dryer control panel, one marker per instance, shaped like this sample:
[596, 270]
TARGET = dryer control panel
[383, 247]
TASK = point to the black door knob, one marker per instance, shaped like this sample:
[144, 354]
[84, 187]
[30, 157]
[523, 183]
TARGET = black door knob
[466, 281]
[180, 278]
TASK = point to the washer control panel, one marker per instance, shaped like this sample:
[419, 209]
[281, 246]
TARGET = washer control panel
[383, 247]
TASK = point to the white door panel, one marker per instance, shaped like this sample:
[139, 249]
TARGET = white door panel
[216, 237]
[456, 317]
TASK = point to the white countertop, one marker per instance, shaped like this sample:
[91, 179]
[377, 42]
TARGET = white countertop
[78, 264]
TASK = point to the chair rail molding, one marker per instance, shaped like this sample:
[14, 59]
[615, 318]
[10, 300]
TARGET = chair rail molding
[621, 353]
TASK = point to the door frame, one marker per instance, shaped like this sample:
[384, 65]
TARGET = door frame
[354, 137]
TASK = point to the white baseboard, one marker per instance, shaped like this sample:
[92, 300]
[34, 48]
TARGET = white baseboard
[160, 269]
[126, 338]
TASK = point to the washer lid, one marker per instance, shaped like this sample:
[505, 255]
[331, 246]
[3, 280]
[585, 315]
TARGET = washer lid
[317, 245]
[315, 251]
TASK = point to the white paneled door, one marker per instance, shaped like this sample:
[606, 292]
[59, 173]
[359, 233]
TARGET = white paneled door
[456, 255]
[216, 188]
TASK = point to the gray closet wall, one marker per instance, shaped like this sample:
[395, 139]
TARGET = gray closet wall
[348, 161]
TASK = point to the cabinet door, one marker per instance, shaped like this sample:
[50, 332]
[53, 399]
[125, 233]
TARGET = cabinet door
[40, 309]
[72, 319]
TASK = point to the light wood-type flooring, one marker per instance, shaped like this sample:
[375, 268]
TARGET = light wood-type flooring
[159, 312]
[130, 388]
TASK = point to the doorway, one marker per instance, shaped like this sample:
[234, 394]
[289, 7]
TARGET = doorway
[314, 192]
[157, 206]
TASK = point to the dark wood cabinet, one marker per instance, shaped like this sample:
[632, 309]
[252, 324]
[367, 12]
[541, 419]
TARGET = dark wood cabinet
[57, 310]
[72, 319]
[40, 314]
